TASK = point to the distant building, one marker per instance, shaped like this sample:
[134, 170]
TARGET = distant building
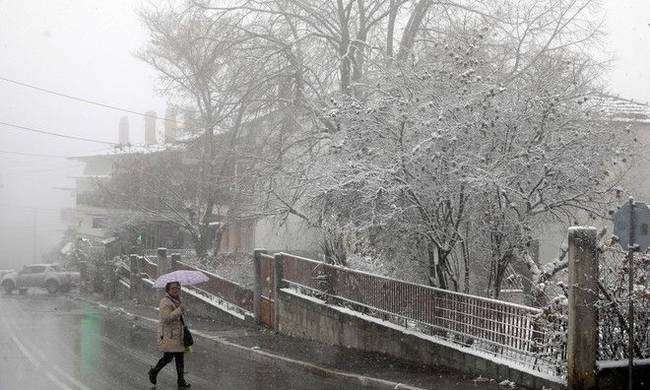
[98, 217]
[625, 115]
[630, 115]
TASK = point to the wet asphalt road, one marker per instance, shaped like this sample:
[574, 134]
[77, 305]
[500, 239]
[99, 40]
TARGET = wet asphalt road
[54, 343]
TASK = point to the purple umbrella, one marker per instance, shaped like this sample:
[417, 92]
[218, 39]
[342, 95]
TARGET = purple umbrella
[186, 277]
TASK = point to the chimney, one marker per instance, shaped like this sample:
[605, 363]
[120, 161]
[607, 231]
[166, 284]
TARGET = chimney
[150, 128]
[170, 125]
[123, 131]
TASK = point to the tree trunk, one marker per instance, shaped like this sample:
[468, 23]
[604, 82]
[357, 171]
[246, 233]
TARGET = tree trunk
[412, 27]
[390, 30]
[345, 50]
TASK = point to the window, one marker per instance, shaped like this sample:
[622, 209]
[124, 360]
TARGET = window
[644, 229]
[38, 269]
[100, 222]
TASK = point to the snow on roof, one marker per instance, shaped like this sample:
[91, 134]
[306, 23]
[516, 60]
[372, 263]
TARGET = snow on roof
[128, 149]
[121, 150]
[619, 109]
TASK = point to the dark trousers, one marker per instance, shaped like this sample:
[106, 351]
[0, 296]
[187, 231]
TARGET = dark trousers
[180, 363]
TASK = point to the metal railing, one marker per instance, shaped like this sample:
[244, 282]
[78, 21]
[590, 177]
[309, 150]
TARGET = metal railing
[229, 291]
[507, 330]
[149, 267]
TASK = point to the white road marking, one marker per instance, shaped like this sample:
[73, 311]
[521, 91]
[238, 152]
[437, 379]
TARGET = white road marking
[69, 377]
[37, 364]
[25, 352]
[53, 366]
[57, 382]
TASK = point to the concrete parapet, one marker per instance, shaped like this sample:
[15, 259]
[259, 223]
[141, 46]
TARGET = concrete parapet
[306, 317]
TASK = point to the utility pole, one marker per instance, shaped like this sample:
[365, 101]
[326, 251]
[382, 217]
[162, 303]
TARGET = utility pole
[632, 247]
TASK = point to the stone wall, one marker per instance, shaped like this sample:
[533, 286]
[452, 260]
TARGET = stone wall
[613, 375]
[308, 318]
[198, 305]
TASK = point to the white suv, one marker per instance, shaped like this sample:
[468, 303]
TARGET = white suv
[48, 276]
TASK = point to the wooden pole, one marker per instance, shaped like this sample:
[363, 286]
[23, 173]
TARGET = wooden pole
[630, 276]
[582, 348]
[278, 272]
[258, 283]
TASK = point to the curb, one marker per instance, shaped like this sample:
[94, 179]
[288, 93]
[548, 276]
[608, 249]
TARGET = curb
[261, 356]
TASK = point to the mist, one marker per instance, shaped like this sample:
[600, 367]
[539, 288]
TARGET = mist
[84, 49]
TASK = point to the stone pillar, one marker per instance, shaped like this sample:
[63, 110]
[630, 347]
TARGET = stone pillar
[278, 267]
[163, 262]
[582, 348]
[176, 258]
[134, 279]
[257, 289]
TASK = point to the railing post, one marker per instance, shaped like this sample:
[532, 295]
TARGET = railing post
[134, 276]
[163, 262]
[176, 258]
[257, 291]
[582, 348]
[278, 267]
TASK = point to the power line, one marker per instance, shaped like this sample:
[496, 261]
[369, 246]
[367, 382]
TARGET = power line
[58, 134]
[40, 209]
[32, 154]
[42, 155]
[80, 99]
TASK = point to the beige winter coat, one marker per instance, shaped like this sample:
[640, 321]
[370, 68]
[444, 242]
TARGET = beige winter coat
[170, 330]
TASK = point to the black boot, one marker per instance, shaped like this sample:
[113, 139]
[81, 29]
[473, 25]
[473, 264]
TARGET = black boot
[153, 372]
[180, 371]
[152, 375]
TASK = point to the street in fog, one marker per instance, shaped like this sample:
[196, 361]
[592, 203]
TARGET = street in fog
[53, 343]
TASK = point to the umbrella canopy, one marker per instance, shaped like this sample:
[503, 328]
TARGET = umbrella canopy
[186, 277]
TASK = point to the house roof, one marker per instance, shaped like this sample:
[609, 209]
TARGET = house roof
[122, 150]
[129, 149]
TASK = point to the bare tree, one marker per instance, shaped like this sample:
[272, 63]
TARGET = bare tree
[476, 128]
[200, 65]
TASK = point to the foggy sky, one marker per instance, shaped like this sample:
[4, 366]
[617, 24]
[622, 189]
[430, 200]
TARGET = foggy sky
[84, 48]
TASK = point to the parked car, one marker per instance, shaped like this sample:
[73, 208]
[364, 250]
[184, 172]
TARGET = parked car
[3, 272]
[48, 276]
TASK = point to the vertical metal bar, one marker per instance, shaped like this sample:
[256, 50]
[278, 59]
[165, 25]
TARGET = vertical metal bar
[630, 277]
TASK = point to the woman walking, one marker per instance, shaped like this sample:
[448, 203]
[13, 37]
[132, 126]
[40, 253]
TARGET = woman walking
[170, 337]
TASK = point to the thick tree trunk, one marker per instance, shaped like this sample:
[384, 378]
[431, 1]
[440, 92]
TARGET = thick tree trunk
[345, 49]
[413, 27]
[390, 30]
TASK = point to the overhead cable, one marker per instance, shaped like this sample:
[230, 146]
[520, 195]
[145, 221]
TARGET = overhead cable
[32, 154]
[80, 99]
[57, 134]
